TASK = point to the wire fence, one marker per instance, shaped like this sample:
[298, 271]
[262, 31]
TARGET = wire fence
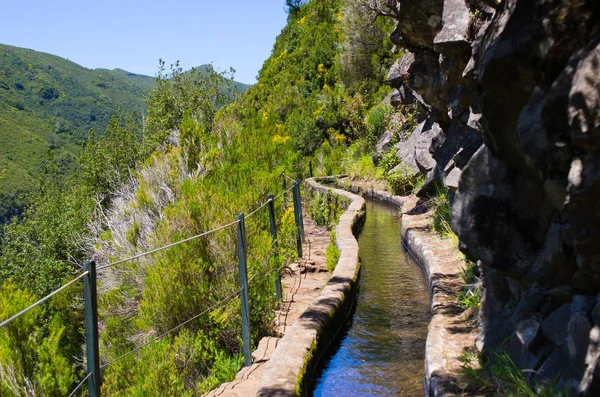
[90, 272]
[79, 385]
[44, 299]
[164, 247]
[227, 299]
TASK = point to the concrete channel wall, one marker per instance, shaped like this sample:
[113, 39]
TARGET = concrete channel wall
[290, 370]
[427, 249]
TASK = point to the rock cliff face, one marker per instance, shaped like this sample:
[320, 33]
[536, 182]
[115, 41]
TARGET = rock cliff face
[511, 90]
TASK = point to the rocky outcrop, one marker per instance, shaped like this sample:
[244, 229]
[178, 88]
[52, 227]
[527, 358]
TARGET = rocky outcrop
[514, 89]
[432, 74]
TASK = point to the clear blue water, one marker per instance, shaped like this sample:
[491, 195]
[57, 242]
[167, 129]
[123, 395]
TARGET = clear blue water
[382, 352]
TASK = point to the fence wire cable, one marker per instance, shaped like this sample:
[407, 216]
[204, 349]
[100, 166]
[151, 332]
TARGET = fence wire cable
[259, 208]
[80, 384]
[44, 299]
[228, 298]
[166, 246]
[290, 178]
[284, 192]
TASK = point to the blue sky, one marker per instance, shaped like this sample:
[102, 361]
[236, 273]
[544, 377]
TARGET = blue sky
[133, 34]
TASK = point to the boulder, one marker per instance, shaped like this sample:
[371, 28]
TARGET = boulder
[418, 23]
[584, 100]
[384, 143]
[452, 40]
[399, 71]
[402, 96]
[451, 178]
[415, 151]
[527, 331]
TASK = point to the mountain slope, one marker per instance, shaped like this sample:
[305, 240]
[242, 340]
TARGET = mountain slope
[48, 102]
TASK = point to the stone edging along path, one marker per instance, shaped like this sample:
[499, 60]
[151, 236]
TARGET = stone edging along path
[448, 333]
[290, 369]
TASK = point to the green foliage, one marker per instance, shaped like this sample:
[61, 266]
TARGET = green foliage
[442, 213]
[35, 357]
[469, 297]
[325, 209]
[367, 54]
[376, 120]
[286, 235]
[496, 373]
[363, 169]
[403, 180]
[225, 163]
[296, 95]
[332, 254]
[50, 102]
[470, 273]
[197, 94]
[470, 294]
[107, 161]
[388, 161]
[38, 251]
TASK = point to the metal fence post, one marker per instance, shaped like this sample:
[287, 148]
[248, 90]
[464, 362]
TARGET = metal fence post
[91, 329]
[310, 169]
[300, 211]
[297, 218]
[272, 226]
[241, 238]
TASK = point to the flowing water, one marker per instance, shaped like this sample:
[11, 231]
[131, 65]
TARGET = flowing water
[382, 351]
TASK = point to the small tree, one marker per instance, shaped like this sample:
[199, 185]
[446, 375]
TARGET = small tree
[294, 5]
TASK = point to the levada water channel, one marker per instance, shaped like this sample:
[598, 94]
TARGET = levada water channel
[382, 350]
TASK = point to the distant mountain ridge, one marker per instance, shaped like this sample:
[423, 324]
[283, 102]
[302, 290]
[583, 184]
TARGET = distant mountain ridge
[50, 102]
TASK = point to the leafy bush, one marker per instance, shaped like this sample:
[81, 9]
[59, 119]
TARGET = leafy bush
[367, 54]
[442, 214]
[332, 254]
[496, 373]
[35, 359]
[325, 209]
[388, 161]
[402, 181]
[364, 168]
[376, 121]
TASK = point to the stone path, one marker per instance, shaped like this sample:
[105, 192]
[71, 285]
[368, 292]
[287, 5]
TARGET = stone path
[302, 282]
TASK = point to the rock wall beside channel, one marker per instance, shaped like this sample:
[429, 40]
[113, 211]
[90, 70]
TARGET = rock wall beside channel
[510, 98]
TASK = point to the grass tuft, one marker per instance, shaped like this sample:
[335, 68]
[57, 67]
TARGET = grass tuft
[496, 374]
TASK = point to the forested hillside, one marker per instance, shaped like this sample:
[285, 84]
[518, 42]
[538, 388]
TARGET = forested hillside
[47, 102]
[141, 188]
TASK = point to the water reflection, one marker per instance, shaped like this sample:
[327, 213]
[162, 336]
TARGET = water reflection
[383, 350]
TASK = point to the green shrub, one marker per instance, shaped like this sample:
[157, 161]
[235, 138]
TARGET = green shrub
[442, 215]
[496, 374]
[319, 210]
[376, 120]
[325, 209]
[402, 181]
[388, 161]
[363, 169]
[469, 296]
[332, 255]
